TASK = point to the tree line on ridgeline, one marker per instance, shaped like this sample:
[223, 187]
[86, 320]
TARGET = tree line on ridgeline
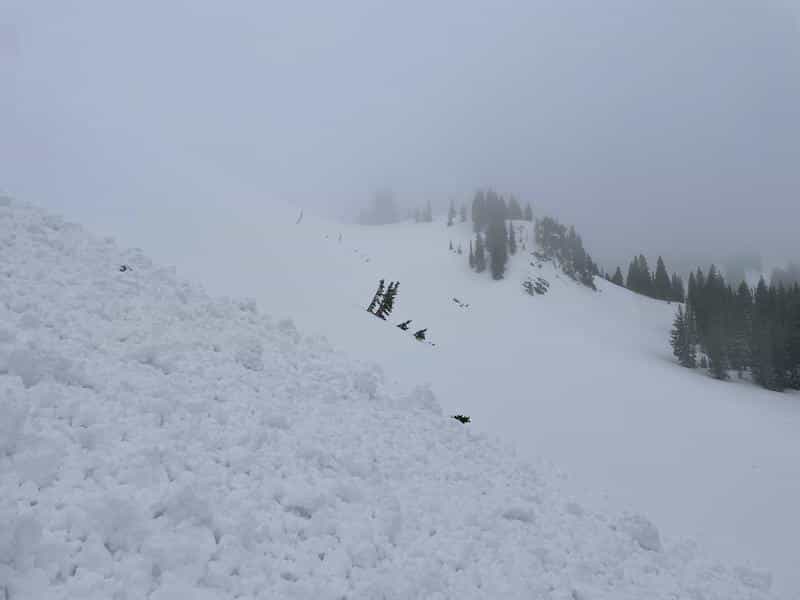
[495, 236]
[659, 285]
[755, 331]
[566, 246]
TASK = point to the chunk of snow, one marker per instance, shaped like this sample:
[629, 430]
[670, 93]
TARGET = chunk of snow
[642, 531]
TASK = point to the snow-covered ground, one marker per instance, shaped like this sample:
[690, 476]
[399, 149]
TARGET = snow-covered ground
[585, 380]
[156, 443]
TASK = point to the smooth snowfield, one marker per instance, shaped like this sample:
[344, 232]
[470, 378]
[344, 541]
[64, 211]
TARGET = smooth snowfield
[583, 379]
[156, 443]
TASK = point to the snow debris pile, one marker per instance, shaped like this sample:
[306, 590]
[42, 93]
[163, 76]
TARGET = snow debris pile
[156, 443]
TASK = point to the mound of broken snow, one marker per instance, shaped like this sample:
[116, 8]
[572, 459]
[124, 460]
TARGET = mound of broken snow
[156, 443]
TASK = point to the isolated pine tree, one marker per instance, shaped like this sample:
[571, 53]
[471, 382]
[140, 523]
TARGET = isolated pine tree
[471, 256]
[404, 325]
[451, 214]
[617, 278]
[463, 213]
[420, 335]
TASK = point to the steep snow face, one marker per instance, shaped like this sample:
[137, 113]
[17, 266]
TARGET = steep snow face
[156, 443]
[584, 379]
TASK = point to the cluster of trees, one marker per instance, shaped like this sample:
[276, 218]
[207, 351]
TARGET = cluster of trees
[564, 244]
[487, 204]
[424, 214]
[743, 330]
[452, 214]
[382, 302]
[382, 211]
[658, 285]
[787, 276]
[495, 237]
[382, 305]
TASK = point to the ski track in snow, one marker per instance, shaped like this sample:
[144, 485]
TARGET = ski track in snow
[157, 443]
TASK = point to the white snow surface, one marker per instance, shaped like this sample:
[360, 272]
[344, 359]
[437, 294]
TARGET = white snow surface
[158, 443]
[583, 379]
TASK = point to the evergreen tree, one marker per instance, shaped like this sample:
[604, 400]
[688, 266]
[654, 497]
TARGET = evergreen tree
[662, 286]
[471, 256]
[632, 281]
[503, 206]
[514, 209]
[377, 298]
[716, 345]
[480, 255]
[512, 239]
[761, 344]
[793, 340]
[744, 329]
[382, 210]
[681, 340]
[566, 246]
[479, 211]
[676, 288]
[387, 305]
[451, 214]
[497, 244]
[617, 278]
[528, 213]
[740, 323]
[463, 213]
[646, 279]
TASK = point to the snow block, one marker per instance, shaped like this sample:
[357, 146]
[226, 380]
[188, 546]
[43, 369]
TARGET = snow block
[642, 530]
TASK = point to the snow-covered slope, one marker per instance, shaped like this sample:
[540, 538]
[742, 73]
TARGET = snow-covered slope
[156, 443]
[583, 379]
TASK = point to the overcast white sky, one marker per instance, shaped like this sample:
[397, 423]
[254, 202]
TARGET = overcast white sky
[654, 125]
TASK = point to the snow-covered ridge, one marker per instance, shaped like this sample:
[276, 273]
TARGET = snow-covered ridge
[156, 443]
